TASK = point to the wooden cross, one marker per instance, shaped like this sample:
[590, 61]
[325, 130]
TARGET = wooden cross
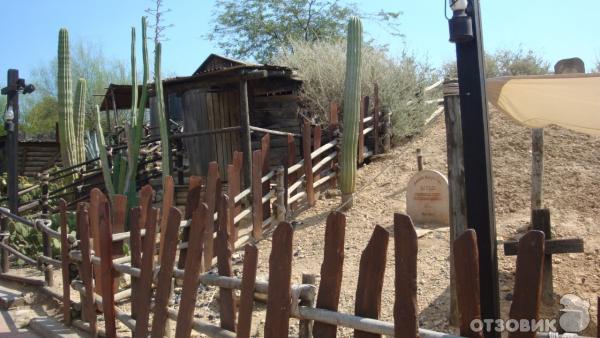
[541, 221]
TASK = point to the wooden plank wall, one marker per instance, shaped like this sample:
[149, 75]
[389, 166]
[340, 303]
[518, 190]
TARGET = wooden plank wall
[206, 110]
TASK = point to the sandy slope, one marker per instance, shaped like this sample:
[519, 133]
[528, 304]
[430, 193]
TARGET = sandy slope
[571, 189]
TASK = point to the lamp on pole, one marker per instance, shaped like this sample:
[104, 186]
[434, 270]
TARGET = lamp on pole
[465, 32]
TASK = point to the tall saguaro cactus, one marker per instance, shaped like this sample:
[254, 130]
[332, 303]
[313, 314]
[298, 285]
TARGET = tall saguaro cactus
[71, 115]
[351, 111]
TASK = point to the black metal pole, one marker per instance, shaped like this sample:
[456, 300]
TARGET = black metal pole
[12, 137]
[477, 162]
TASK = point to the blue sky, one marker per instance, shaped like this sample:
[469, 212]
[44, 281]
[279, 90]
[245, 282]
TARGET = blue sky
[554, 29]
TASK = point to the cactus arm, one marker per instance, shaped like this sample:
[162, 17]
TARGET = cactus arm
[65, 100]
[351, 108]
[144, 98]
[79, 120]
[162, 119]
[103, 155]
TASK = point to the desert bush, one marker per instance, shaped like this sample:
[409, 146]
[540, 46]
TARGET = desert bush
[321, 66]
[505, 62]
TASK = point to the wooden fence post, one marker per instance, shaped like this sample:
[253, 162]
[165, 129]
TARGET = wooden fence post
[334, 132]
[541, 222]
[224, 247]
[106, 267]
[265, 145]
[46, 243]
[193, 267]
[257, 194]
[164, 285]
[306, 326]
[135, 249]
[456, 180]
[211, 198]
[370, 279]
[144, 291]
[291, 158]
[281, 193]
[331, 272]
[192, 203]
[406, 248]
[64, 255]
[466, 261]
[280, 275]
[537, 169]
[247, 293]
[306, 143]
[316, 145]
[528, 281]
[376, 119]
[167, 203]
[88, 302]
[364, 107]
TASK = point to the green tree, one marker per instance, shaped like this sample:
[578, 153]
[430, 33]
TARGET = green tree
[259, 28]
[505, 62]
[88, 62]
[42, 117]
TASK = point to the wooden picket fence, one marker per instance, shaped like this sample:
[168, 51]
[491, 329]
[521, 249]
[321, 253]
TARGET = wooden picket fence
[153, 269]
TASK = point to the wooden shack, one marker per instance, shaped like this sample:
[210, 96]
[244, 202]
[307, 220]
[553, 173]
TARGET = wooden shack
[214, 98]
[35, 154]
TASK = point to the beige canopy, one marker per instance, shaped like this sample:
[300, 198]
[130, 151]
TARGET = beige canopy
[568, 100]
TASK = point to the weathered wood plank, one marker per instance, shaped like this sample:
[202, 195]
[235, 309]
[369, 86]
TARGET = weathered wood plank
[146, 196]
[237, 161]
[316, 145]
[265, 146]
[83, 228]
[193, 265]
[552, 246]
[257, 205]
[528, 281]
[333, 116]
[106, 270]
[94, 219]
[64, 255]
[306, 143]
[291, 158]
[211, 196]
[280, 274]
[119, 217]
[376, 119]
[135, 249]
[231, 174]
[466, 262]
[193, 200]
[247, 294]
[146, 274]
[406, 248]
[167, 202]
[331, 272]
[167, 260]
[537, 168]
[541, 222]
[364, 107]
[224, 248]
[370, 279]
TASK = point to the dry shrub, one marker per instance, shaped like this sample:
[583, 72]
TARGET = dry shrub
[321, 65]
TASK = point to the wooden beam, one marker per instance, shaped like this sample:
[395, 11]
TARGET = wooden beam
[370, 279]
[537, 169]
[553, 246]
[245, 132]
[247, 294]
[406, 249]
[331, 272]
[466, 262]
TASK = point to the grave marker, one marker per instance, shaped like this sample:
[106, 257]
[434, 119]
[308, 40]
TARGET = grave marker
[427, 200]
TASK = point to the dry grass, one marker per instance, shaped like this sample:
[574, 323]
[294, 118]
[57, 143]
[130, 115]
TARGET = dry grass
[322, 64]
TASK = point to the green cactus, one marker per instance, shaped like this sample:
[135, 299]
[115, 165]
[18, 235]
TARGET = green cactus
[70, 115]
[351, 111]
[162, 119]
[103, 155]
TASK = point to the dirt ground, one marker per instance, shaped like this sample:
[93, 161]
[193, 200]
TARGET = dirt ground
[571, 186]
